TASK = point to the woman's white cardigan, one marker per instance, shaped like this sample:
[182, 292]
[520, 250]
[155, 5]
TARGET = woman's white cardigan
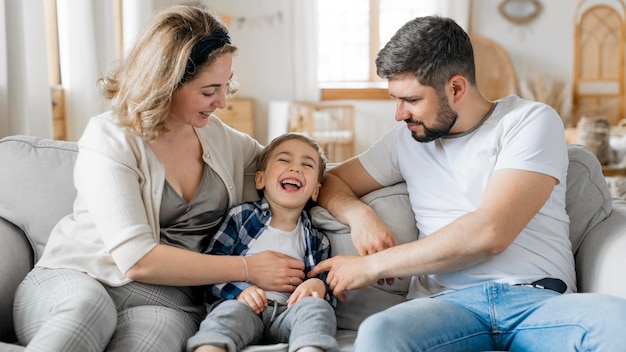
[115, 221]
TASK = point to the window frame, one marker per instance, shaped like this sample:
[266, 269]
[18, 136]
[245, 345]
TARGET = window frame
[375, 88]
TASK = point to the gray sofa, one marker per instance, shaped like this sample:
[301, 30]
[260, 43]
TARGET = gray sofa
[36, 190]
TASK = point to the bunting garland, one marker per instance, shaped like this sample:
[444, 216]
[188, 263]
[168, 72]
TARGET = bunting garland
[253, 22]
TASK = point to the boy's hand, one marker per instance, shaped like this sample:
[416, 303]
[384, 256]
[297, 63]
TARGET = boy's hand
[311, 287]
[253, 297]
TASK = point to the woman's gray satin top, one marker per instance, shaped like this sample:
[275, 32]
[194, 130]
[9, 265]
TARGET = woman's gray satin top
[192, 225]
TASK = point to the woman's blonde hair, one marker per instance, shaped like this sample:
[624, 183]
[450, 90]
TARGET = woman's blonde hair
[141, 87]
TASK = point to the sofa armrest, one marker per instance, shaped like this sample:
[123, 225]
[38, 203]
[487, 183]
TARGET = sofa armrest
[600, 260]
[16, 260]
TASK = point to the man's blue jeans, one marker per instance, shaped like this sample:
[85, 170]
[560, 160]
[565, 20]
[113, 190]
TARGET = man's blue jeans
[496, 316]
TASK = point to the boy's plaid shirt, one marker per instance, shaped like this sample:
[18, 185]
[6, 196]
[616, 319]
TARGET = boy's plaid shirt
[243, 224]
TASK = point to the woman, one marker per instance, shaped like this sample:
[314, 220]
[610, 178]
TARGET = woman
[154, 177]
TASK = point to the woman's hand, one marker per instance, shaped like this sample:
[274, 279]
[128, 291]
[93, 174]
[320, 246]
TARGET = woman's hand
[273, 271]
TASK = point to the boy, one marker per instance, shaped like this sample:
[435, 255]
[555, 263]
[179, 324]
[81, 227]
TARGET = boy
[289, 175]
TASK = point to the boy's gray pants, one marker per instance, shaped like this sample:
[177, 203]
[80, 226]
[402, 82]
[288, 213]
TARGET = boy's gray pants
[232, 324]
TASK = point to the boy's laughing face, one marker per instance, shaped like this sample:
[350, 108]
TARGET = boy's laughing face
[290, 177]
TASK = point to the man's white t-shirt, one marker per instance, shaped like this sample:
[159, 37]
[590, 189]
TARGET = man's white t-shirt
[446, 179]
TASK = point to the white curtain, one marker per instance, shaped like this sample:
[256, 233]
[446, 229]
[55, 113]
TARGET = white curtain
[304, 44]
[134, 15]
[4, 79]
[25, 104]
[87, 49]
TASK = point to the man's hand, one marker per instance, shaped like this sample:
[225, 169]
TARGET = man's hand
[340, 193]
[370, 235]
[311, 287]
[346, 273]
[253, 297]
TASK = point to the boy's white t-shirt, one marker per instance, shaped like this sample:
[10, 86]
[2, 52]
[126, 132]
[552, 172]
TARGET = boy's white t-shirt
[290, 243]
[447, 177]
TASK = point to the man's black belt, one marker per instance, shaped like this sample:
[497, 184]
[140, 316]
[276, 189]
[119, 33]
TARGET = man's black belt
[549, 284]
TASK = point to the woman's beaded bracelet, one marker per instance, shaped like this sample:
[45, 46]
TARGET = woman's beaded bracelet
[245, 267]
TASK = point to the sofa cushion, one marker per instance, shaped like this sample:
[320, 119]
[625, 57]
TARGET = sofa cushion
[588, 199]
[44, 169]
[392, 205]
[16, 257]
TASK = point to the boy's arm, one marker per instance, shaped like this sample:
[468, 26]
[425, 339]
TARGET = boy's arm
[229, 290]
[224, 242]
[320, 248]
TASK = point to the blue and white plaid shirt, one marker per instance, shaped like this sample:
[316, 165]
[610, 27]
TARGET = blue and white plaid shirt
[244, 223]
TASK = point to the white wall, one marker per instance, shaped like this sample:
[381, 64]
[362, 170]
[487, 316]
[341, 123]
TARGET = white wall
[545, 45]
[262, 30]
[265, 66]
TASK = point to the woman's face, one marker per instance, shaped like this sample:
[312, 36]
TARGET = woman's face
[194, 101]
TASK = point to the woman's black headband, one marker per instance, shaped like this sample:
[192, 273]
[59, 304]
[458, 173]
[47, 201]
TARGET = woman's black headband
[204, 47]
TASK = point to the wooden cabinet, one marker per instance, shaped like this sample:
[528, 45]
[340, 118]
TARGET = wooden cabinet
[239, 114]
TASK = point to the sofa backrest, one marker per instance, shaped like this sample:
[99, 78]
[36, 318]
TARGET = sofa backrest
[36, 190]
[588, 199]
[36, 185]
[45, 190]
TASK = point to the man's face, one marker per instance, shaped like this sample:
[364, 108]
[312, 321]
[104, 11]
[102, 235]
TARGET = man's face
[427, 114]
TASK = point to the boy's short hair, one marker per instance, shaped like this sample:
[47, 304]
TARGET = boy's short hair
[263, 158]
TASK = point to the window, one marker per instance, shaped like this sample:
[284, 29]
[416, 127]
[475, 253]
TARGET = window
[351, 32]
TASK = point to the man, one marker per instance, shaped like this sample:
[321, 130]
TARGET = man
[486, 182]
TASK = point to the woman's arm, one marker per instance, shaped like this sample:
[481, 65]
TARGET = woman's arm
[167, 265]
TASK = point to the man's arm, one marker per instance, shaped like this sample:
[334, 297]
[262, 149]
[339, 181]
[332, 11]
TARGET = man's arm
[511, 200]
[340, 193]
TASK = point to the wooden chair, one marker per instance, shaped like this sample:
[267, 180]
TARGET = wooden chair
[330, 124]
[598, 79]
[495, 75]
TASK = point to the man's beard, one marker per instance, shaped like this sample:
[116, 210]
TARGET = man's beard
[446, 118]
